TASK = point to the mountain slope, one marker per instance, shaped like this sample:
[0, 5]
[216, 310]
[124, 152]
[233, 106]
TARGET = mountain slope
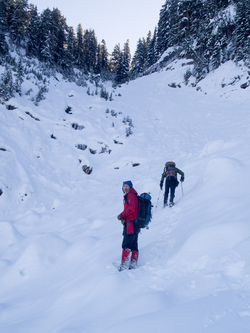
[59, 233]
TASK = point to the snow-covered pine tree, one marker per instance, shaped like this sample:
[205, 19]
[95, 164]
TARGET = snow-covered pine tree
[48, 49]
[46, 38]
[69, 52]
[3, 28]
[79, 47]
[163, 29]
[32, 33]
[242, 31]
[104, 56]
[18, 22]
[216, 55]
[152, 55]
[89, 49]
[122, 71]
[3, 17]
[139, 59]
[6, 85]
[58, 26]
[19, 77]
[115, 57]
[102, 65]
[174, 23]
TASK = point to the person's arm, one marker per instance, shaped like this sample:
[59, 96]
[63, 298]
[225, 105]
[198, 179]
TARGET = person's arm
[180, 173]
[162, 179]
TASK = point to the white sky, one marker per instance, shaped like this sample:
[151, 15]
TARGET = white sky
[115, 21]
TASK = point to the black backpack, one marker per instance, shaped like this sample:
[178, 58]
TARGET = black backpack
[144, 210]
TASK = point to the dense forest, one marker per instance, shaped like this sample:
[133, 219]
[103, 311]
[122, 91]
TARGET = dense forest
[208, 32]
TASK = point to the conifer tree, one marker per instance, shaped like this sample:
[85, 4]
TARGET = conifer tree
[48, 49]
[79, 47]
[197, 16]
[89, 49]
[6, 85]
[139, 59]
[9, 9]
[175, 18]
[148, 39]
[58, 25]
[3, 28]
[163, 30]
[242, 31]
[152, 55]
[69, 59]
[122, 71]
[19, 21]
[3, 16]
[32, 32]
[19, 77]
[102, 58]
[98, 60]
[115, 57]
[127, 55]
[46, 40]
[3, 46]
[216, 55]
[224, 50]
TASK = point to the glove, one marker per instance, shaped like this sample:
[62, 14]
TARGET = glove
[182, 179]
[161, 185]
[121, 219]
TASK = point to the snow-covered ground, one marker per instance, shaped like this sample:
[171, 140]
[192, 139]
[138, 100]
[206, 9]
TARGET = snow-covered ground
[59, 237]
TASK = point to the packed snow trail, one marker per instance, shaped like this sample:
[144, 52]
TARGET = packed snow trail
[58, 228]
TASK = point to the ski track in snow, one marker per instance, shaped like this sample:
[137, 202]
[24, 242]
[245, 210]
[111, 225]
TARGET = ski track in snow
[59, 237]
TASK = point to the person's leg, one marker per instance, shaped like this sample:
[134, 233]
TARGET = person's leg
[166, 192]
[134, 248]
[128, 240]
[172, 192]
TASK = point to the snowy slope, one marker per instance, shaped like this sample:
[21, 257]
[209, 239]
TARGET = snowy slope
[59, 236]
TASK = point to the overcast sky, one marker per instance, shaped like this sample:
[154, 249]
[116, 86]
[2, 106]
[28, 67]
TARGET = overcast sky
[115, 21]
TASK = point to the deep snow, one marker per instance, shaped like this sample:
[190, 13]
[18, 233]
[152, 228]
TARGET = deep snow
[59, 237]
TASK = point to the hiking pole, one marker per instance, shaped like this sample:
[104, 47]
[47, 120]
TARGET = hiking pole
[182, 189]
[157, 200]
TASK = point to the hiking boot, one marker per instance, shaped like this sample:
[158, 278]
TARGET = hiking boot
[171, 204]
[125, 259]
[122, 267]
[133, 265]
[134, 259]
[165, 204]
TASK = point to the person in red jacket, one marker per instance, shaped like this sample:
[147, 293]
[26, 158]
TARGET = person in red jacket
[130, 227]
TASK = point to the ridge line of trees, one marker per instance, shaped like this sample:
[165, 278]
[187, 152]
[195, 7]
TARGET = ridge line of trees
[209, 32]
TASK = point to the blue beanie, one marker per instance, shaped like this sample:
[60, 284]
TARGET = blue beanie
[129, 183]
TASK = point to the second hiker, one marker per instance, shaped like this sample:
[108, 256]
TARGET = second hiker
[170, 173]
[130, 228]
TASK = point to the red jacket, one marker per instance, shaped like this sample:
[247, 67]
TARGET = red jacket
[130, 211]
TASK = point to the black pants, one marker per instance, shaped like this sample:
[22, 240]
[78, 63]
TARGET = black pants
[169, 185]
[130, 241]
